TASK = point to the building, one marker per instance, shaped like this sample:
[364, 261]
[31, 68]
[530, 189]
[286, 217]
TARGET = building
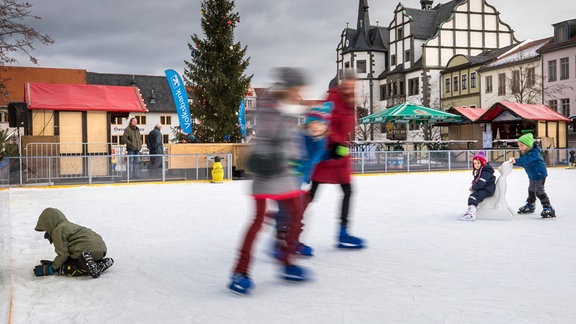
[157, 96]
[403, 62]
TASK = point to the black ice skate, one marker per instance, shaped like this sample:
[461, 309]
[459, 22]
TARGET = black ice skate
[93, 268]
[526, 209]
[104, 264]
[548, 212]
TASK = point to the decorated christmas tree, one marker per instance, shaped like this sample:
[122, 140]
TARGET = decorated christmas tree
[215, 74]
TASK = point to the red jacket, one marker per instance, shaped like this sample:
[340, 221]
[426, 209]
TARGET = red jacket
[342, 123]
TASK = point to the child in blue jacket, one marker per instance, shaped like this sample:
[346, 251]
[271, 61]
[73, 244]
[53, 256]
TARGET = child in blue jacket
[534, 165]
[314, 141]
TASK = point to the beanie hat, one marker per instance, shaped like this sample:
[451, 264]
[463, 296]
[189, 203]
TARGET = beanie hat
[480, 156]
[320, 113]
[527, 139]
[289, 77]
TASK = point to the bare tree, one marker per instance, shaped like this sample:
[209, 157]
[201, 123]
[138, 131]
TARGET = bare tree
[15, 35]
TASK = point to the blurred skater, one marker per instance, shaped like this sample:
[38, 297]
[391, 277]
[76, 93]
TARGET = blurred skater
[337, 170]
[275, 146]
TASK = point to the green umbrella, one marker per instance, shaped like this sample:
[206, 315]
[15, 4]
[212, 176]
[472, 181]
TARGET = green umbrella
[407, 112]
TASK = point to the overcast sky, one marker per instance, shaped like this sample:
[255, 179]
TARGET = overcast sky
[150, 36]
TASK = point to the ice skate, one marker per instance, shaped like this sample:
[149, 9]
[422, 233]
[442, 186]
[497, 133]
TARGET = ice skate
[470, 214]
[347, 241]
[104, 264]
[93, 268]
[240, 284]
[548, 212]
[526, 209]
[294, 273]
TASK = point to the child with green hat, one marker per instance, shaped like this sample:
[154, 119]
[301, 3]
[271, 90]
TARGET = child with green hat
[534, 165]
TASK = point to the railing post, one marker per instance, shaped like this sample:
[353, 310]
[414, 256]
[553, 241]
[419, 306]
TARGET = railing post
[89, 169]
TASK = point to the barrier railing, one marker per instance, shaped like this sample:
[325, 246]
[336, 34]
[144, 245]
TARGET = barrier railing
[111, 168]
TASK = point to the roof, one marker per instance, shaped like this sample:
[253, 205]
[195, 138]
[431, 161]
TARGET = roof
[525, 111]
[149, 85]
[83, 97]
[427, 22]
[472, 114]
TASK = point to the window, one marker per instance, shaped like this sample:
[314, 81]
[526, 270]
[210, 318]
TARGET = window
[464, 79]
[407, 56]
[564, 68]
[530, 77]
[501, 84]
[515, 86]
[447, 85]
[400, 33]
[361, 66]
[347, 65]
[561, 34]
[565, 107]
[141, 120]
[382, 92]
[165, 138]
[166, 120]
[402, 92]
[116, 120]
[116, 139]
[473, 80]
[553, 104]
[413, 86]
[551, 71]
[393, 59]
[3, 117]
[455, 87]
[488, 84]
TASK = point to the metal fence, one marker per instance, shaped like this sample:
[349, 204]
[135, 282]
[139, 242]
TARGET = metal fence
[116, 168]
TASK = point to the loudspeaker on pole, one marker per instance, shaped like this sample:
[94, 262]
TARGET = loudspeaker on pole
[17, 114]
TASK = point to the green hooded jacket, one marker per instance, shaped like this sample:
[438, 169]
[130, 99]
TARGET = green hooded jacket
[69, 239]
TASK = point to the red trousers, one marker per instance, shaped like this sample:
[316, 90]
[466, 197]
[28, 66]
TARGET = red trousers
[295, 208]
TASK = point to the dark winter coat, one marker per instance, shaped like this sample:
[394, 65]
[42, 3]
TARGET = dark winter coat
[69, 239]
[275, 133]
[337, 171]
[132, 138]
[154, 142]
[533, 164]
[485, 180]
[483, 185]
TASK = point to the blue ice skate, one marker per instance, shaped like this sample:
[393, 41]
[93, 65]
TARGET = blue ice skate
[347, 241]
[240, 284]
[295, 273]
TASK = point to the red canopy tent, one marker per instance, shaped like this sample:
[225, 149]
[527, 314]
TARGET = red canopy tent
[83, 97]
[524, 111]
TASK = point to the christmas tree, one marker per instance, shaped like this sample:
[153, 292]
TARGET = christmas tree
[215, 74]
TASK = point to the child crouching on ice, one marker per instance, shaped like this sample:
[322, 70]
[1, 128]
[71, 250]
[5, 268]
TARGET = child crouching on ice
[535, 167]
[483, 185]
[80, 251]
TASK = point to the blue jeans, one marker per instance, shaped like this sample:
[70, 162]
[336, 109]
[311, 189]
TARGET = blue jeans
[134, 162]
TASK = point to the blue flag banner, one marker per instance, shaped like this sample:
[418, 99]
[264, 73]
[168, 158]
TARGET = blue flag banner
[242, 118]
[180, 100]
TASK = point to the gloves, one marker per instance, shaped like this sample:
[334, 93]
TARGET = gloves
[43, 269]
[47, 236]
[339, 150]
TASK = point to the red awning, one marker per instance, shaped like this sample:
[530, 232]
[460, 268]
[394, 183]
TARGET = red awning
[472, 114]
[524, 111]
[83, 97]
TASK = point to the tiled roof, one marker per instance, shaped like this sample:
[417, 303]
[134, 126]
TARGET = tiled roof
[146, 84]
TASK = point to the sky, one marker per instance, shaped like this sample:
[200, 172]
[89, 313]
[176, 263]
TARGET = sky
[175, 244]
[150, 36]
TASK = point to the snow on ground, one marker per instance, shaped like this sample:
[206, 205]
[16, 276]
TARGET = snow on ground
[174, 246]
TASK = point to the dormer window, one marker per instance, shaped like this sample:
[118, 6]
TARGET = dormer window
[561, 33]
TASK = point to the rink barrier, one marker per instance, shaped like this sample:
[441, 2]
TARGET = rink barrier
[64, 169]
